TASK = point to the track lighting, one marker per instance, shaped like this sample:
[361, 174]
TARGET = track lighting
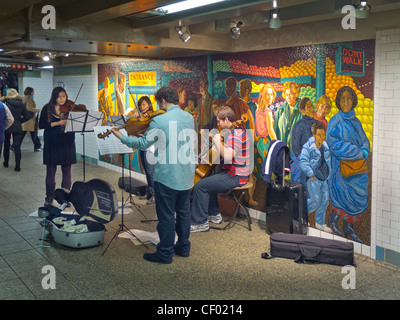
[274, 22]
[46, 57]
[183, 33]
[235, 30]
[362, 10]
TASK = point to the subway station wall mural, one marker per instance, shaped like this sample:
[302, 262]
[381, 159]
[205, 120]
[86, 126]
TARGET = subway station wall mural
[286, 91]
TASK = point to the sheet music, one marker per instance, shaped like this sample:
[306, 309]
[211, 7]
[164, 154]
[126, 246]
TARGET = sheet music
[110, 144]
[83, 121]
[120, 120]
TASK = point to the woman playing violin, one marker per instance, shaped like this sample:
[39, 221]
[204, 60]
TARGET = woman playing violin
[147, 156]
[59, 147]
[235, 156]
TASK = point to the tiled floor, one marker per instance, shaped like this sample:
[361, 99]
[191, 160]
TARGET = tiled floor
[223, 265]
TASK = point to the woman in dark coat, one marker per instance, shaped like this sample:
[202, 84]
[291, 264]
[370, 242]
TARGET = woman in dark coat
[59, 147]
[14, 102]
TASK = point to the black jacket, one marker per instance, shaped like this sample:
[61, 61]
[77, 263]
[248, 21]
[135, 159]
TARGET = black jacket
[19, 112]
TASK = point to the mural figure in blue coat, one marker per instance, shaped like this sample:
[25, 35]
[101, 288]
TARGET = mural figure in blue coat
[348, 188]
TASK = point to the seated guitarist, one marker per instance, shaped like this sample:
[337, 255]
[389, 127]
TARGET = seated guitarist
[235, 172]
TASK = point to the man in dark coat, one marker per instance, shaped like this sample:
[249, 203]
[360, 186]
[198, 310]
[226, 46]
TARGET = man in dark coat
[301, 132]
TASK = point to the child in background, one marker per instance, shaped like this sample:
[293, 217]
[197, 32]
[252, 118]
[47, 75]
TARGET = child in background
[315, 160]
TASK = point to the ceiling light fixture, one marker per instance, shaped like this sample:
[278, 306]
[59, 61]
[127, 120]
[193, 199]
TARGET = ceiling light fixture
[274, 22]
[362, 10]
[182, 6]
[183, 33]
[235, 30]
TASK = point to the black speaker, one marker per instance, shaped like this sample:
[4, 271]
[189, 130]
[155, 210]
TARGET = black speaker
[133, 186]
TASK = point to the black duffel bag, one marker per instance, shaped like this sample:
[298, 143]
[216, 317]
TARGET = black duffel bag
[308, 249]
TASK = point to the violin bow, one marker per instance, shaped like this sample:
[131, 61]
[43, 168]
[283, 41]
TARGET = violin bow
[78, 93]
[136, 107]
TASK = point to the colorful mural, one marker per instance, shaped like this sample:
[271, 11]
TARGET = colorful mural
[285, 93]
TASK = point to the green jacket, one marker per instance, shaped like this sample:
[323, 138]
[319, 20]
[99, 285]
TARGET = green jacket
[284, 122]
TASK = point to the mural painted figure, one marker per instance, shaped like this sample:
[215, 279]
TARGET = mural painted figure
[348, 183]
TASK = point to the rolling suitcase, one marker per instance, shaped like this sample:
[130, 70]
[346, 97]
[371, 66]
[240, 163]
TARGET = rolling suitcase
[307, 249]
[95, 199]
[286, 206]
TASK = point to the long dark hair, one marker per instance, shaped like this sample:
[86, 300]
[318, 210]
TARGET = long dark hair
[53, 101]
[28, 91]
[147, 99]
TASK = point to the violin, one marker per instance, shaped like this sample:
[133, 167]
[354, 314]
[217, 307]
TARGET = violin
[70, 106]
[135, 126]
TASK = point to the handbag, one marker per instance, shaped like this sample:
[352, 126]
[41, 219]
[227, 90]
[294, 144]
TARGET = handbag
[349, 168]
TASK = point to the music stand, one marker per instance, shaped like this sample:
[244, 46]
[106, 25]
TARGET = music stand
[119, 121]
[83, 121]
[112, 145]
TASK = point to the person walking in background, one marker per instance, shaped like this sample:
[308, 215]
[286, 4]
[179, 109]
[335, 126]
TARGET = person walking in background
[21, 115]
[6, 120]
[32, 124]
[59, 147]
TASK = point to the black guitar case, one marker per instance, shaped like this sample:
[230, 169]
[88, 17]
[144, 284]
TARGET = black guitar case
[95, 202]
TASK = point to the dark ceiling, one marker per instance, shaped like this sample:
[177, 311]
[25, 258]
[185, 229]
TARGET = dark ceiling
[93, 29]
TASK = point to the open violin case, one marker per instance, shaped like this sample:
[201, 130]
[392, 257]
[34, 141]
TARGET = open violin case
[96, 204]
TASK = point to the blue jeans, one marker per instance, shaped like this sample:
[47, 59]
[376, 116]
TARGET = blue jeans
[205, 195]
[168, 202]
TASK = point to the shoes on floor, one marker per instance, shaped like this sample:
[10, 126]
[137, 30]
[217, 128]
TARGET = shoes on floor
[17, 169]
[5, 164]
[38, 150]
[145, 197]
[203, 227]
[153, 257]
[151, 201]
[181, 254]
[217, 219]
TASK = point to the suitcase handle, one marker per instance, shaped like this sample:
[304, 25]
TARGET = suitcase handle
[308, 255]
